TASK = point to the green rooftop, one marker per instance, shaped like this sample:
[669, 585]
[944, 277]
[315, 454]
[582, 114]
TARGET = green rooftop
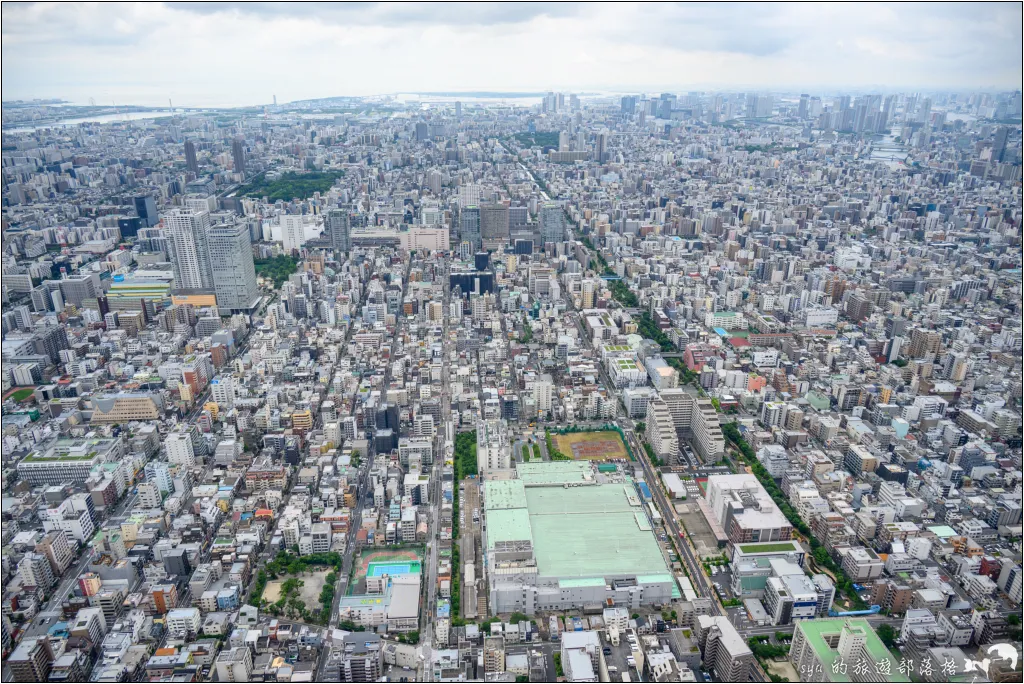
[553, 472]
[770, 547]
[589, 531]
[580, 582]
[507, 524]
[501, 494]
[586, 532]
[56, 458]
[819, 632]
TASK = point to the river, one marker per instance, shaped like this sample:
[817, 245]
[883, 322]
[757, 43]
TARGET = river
[99, 118]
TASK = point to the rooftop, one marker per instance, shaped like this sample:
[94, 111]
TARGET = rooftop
[577, 532]
[816, 632]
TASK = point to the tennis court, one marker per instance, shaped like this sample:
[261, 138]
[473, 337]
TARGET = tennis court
[394, 569]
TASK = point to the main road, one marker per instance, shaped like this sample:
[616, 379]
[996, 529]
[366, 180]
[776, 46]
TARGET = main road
[434, 537]
[355, 520]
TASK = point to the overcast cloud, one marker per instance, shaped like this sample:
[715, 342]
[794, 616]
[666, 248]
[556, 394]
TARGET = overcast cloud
[229, 54]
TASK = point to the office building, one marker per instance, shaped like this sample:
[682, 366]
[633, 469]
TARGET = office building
[338, 225]
[494, 226]
[552, 223]
[145, 207]
[75, 289]
[469, 226]
[191, 161]
[238, 156]
[232, 268]
[745, 511]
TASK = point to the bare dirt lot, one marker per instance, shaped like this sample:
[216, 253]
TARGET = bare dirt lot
[309, 592]
[591, 446]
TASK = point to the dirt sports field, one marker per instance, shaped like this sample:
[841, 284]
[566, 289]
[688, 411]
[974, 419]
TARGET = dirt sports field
[591, 446]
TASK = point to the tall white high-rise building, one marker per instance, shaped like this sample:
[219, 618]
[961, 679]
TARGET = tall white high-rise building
[493, 451]
[470, 194]
[222, 390]
[542, 390]
[190, 254]
[293, 233]
[179, 449]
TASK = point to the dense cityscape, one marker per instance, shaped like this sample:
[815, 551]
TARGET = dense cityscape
[514, 387]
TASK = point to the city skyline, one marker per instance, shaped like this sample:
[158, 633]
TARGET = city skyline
[511, 342]
[147, 54]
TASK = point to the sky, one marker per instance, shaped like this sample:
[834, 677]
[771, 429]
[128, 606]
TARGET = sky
[236, 54]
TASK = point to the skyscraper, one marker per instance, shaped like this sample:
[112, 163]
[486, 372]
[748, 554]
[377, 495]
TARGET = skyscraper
[600, 145]
[339, 229]
[999, 143]
[552, 223]
[145, 207]
[238, 152]
[190, 157]
[493, 226]
[190, 254]
[231, 266]
[665, 106]
[469, 226]
[421, 130]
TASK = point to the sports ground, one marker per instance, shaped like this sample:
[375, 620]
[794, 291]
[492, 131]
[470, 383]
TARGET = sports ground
[591, 446]
[374, 563]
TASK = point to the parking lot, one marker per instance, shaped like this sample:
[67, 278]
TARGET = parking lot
[697, 528]
[615, 656]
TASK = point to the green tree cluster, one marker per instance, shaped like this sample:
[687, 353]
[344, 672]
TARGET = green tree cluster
[327, 593]
[888, 635]
[649, 329]
[290, 185]
[553, 453]
[465, 465]
[276, 268]
[537, 139]
[652, 457]
[465, 455]
[766, 651]
[621, 292]
[350, 626]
